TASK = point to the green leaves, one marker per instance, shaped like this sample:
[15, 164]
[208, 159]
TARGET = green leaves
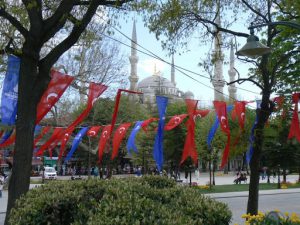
[145, 200]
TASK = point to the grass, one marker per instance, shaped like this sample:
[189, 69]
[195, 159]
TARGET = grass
[240, 187]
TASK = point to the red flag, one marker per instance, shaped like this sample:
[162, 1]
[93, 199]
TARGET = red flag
[175, 121]
[53, 138]
[201, 113]
[295, 129]
[93, 131]
[65, 138]
[279, 100]
[239, 111]
[118, 137]
[57, 86]
[145, 123]
[44, 131]
[10, 140]
[190, 145]
[105, 135]
[221, 112]
[95, 90]
[118, 98]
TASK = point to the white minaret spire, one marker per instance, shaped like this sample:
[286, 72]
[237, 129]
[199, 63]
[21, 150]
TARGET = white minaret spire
[218, 57]
[133, 58]
[173, 71]
[232, 73]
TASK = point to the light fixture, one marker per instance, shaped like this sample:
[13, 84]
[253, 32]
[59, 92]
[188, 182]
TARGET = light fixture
[253, 48]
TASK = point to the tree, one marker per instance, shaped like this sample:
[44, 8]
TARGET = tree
[37, 23]
[177, 20]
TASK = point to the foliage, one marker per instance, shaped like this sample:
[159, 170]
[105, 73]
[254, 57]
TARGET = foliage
[277, 149]
[145, 200]
[269, 219]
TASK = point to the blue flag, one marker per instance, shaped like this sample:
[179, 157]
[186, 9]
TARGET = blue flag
[130, 143]
[249, 153]
[215, 127]
[37, 129]
[10, 91]
[158, 152]
[6, 136]
[76, 142]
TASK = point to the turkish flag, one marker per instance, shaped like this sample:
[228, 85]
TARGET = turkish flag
[50, 141]
[63, 142]
[295, 129]
[175, 121]
[240, 110]
[201, 113]
[105, 135]
[279, 100]
[93, 131]
[221, 112]
[118, 137]
[56, 87]
[147, 122]
[190, 145]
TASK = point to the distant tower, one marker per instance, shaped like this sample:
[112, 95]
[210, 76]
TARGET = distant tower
[133, 58]
[232, 73]
[218, 57]
[173, 71]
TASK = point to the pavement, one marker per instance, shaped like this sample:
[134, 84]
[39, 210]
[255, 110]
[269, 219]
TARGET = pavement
[203, 179]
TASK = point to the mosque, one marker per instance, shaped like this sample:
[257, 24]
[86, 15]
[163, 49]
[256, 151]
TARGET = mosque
[156, 84]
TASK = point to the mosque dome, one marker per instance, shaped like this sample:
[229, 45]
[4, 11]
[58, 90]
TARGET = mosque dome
[155, 81]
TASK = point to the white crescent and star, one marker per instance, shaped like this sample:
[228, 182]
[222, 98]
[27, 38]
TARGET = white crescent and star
[176, 119]
[51, 95]
[93, 102]
[104, 134]
[121, 130]
[92, 133]
[223, 118]
[242, 115]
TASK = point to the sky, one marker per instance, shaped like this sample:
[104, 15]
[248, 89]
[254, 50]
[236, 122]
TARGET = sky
[188, 60]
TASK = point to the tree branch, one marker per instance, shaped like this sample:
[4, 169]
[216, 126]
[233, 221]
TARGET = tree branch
[57, 20]
[280, 61]
[104, 2]
[77, 30]
[34, 10]
[255, 11]
[14, 22]
[200, 19]
[242, 80]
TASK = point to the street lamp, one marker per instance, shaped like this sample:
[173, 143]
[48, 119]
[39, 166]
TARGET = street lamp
[253, 48]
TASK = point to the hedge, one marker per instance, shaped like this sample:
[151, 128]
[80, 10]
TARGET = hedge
[145, 200]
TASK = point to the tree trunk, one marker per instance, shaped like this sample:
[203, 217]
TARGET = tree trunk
[20, 178]
[263, 115]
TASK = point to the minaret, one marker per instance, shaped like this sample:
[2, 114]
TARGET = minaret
[218, 58]
[173, 71]
[133, 58]
[232, 73]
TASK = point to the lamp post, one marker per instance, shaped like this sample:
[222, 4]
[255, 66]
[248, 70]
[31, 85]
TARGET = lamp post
[253, 48]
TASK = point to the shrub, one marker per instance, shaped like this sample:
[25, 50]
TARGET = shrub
[275, 217]
[146, 200]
